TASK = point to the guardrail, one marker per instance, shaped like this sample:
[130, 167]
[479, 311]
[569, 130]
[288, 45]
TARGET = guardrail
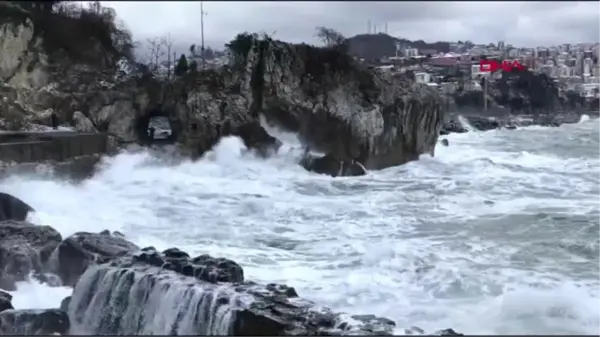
[23, 147]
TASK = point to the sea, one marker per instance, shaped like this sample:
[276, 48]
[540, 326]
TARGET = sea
[498, 233]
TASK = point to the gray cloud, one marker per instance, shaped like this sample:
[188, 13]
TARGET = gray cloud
[518, 23]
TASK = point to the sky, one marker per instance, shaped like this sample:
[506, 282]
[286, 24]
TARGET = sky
[518, 23]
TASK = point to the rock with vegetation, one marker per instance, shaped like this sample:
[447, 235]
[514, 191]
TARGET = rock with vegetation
[335, 104]
[60, 58]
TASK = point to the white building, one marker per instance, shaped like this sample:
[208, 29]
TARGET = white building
[422, 77]
[411, 52]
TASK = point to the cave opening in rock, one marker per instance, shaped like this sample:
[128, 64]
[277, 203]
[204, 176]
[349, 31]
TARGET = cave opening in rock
[157, 127]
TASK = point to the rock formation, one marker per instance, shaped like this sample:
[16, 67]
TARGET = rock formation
[521, 92]
[337, 106]
[12, 208]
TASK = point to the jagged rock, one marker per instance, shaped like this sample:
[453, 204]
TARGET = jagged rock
[519, 91]
[444, 142]
[256, 138]
[24, 248]
[203, 267]
[129, 296]
[64, 304]
[329, 165]
[12, 208]
[5, 301]
[81, 123]
[34, 322]
[76, 253]
[452, 126]
[448, 332]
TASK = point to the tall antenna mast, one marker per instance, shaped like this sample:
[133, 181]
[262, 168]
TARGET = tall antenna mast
[369, 27]
[386, 31]
[202, 13]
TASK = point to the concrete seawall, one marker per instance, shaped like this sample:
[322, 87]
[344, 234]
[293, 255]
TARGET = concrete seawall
[27, 147]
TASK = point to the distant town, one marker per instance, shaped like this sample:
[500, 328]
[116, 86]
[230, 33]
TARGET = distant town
[574, 66]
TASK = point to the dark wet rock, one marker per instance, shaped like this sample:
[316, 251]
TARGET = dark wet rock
[203, 267]
[329, 165]
[256, 138]
[12, 208]
[444, 142]
[5, 301]
[24, 248]
[34, 322]
[452, 126]
[448, 332]
[64, 304]
[80, 250]
[128, 297]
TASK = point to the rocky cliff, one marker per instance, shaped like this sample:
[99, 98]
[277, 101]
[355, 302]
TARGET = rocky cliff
[337, 106]
[525, 92]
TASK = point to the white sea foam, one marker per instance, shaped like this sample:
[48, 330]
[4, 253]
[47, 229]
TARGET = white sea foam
[496, 234]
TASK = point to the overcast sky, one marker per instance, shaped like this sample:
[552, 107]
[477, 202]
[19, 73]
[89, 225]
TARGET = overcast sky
[518, 23]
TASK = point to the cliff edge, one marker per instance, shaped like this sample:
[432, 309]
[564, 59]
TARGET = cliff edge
[337, 106]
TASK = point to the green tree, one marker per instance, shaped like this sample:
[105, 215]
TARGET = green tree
[182, 66]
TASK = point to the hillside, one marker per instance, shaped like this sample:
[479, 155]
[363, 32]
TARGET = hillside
[376, 46]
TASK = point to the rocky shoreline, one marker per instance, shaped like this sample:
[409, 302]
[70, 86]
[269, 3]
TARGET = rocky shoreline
[120, 289]
[486, 122]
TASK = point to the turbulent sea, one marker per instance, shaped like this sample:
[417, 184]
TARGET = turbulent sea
[498, 233]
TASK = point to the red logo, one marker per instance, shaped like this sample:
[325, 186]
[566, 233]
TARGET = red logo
[493, 65]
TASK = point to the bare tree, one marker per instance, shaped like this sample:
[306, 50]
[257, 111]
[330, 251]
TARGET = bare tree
[330, 37]
[156, 51]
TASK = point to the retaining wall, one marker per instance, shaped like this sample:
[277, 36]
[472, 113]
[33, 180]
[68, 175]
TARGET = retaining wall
[24, 147]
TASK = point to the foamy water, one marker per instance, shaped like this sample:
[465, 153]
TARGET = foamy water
[498, 233]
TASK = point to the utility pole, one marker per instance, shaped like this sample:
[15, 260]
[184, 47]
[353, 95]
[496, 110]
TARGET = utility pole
[485, 89]
[202, 13]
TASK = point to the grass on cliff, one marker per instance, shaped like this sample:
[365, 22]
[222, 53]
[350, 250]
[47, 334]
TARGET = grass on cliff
[87, 35]
[321, 64]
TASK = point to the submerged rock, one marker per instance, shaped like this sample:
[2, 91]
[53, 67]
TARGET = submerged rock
[34, 322]
[12, 208]
[131, 295]
[24, 248]
[5, 301]
[331, 166]
[76, 253]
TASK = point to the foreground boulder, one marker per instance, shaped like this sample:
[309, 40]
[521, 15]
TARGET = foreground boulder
[24, 248]
[76, 253]
[12, 208]
[34, 322]
[197, 296]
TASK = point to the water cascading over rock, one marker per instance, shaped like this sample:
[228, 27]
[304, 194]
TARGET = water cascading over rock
[173, 294]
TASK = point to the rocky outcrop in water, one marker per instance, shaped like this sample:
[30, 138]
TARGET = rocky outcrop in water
[12, 208]
[205, 295]
[522, 92]
[337, 106]
[34, 322]
[24, 249]
[76, 253]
